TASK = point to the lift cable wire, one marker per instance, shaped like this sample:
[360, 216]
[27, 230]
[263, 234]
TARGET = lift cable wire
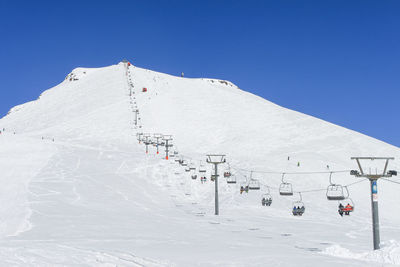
[390, 181]
[275, 172]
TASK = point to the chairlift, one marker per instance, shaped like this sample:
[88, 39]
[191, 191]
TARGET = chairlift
[244, 187]
[334, 191]
[187, 169]
[203, 179]
[184, 163]
[285, 189]
[192, 167]
[231, 179]
[298, 207]
[254, 184]
[213, 177]
[346, 206]
[194, 176]
[266, 199]
[202, 168]
[227, 173]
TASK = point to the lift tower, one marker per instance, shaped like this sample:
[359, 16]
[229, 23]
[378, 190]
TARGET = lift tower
[216, 159]
[373, 178]
[167, 139]
[147, 141]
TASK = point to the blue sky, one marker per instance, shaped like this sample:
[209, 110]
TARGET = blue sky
[336, 60]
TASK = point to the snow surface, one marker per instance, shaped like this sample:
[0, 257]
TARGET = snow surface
[78, 189]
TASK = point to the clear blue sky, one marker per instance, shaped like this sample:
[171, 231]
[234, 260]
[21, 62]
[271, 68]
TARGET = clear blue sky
[336, 60]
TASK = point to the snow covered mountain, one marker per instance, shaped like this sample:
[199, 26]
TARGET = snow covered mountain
[78, 189]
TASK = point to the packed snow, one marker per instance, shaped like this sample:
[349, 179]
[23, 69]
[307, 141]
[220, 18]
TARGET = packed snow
[79, 190]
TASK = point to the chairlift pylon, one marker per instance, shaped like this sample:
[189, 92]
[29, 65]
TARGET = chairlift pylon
[285, 189]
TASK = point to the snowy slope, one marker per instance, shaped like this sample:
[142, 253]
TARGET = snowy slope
[79, 189]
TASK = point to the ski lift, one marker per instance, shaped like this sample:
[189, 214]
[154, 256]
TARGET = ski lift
[231, 179]
[187, 169]
[254, 184]
[298, 207]
[227, 173]
[184, 163]
[244, 187]
[266, 199]
[194, 176]
[346, 206]
[192, 167]
[213, 177]
[202, 169]
[285, 189]
[334, 191]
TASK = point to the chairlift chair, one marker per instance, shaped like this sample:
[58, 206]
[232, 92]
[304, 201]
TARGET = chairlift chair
[254, 184]
[192, 167]
[266, 199]
[298, 207]
[194, 176]
[227, 173]
[334, 191]
[244, 187]
[347, 206]
[285, 189]
[231, 179]
[213, 177]
[187, 169]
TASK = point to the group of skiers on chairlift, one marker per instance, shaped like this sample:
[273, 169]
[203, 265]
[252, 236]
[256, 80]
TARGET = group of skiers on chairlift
[266, 201]
[298, 211]
[345, 209]
[244, 189]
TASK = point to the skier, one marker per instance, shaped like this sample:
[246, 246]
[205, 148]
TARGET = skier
[340, 210]
[298, 164]
[288, 158]
[347, 209]
[294, 211]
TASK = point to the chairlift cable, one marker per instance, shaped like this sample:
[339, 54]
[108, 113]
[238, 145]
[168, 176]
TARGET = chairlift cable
[391, 181]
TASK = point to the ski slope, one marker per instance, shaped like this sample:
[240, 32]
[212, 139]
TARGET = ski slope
[79, 190]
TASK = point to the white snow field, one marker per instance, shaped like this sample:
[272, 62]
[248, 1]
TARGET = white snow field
[79, 190]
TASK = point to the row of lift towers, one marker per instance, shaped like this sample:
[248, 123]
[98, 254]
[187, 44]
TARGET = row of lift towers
[334, 192]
